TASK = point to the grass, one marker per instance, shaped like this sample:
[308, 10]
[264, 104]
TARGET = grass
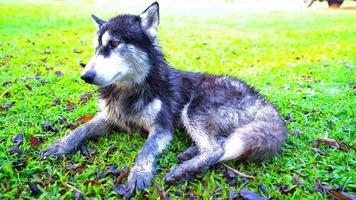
[303, 62]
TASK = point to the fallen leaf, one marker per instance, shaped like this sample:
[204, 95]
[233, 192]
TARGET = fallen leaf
[6, 59]
[84, 151]
[28, 87]
[58, 73]
[284, 189]
[320, 187]
[70, 167]
[98, 176]
[290, 118]
[76, 51]
[177, 193]
[82, 64]
[249, 195]
[19, 164]
[190, 194]
[162, 194]
[93, 152]
[7, 106]
[262, 188]
[6, 95]
[114, 172]
[15, 150]
[70, 106]
[327, 141]
[244, 179]
[90, 182]
[121, 189]
[75, 168]
[198, 176]
[72, 127]
[56, 102]
[297, 132]
[342, 195]
[34, 141]
[84, 97]
[34, 189]
[64, 121]
[297, 181]
[44, 185]
[233, 195]
[7, 84]
[344, 146]
[84, 119]
[48, 127]
[230, 176]
[44, 60]
[123, 174]
[40, 79]
[168, 168]
[77, 195]
[334, 192]
[18, 139]
[111, 150]
[47, 51]
[230, 173]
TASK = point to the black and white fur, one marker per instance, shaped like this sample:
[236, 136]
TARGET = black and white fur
[140, 92]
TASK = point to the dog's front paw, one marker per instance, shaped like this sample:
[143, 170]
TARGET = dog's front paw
[175, 177]
[171, 178]
[188, 154]
[138, 180]
[58, 149]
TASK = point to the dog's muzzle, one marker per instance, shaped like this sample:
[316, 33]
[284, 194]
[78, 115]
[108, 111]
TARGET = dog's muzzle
[88, 76]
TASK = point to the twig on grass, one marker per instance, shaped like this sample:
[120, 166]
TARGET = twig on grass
[238, 172]
[72, 187]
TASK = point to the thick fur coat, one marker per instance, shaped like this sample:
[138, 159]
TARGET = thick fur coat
[139, 92]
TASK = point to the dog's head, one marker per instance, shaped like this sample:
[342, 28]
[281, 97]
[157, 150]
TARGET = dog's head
[122, 45]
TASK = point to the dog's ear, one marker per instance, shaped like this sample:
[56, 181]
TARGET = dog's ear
[150, 19]
[98, 21]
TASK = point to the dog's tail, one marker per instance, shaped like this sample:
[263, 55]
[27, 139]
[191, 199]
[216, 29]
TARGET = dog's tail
[256, 140]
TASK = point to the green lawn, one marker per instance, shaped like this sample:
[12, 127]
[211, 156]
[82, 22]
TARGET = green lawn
[303, 62]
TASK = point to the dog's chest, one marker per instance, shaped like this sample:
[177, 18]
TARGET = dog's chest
[139, 117]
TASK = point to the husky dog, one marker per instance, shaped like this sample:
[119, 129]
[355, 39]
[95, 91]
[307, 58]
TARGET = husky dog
[140, 92]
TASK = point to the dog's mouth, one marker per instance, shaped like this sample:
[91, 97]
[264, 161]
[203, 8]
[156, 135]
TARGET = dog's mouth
[103, 83]
[115, 77]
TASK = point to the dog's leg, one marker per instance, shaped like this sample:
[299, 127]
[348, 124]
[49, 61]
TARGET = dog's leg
[209, 148]
[188, 154]
[71, 142]
[206, 158]
[143, 170]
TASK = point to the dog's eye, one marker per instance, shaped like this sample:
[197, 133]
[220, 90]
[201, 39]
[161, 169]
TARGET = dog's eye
[113, 44]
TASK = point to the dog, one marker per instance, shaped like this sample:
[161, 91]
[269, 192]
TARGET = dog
[139, 92]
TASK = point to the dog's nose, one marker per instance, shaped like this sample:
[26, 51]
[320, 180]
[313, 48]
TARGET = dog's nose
[88, 76]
